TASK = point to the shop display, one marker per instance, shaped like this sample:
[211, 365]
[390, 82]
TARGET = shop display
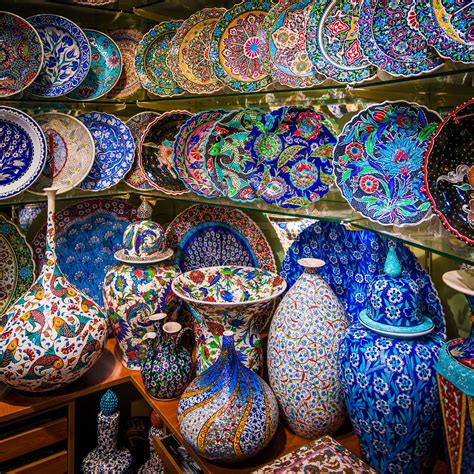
[54, 332]
[228, 298]
[28, 213]
[67, 56]
[378, 162]
[71, 152]
[108, 457]
[302, 354]
[243, 415]
[388, 377]
[21, 54]
[154, 465]
[449, 172]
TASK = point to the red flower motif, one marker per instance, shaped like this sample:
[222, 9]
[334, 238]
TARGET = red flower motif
[197, 276]
[379, 116]
[354, 150]
[369, 184]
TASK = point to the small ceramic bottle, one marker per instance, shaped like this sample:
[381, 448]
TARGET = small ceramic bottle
[154, 465]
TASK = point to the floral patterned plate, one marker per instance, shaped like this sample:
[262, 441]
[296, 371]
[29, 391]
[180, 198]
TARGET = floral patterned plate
[150, 60]
[189, 152]
[333, 39]
[114, 150]
[449, 172]
[188, 57]
[156, 152]
[291, 150]
[21, 53]
[378, 162]
[23, 151]
[391, 41]
[105, 70]
[236, 47]
[67, 56]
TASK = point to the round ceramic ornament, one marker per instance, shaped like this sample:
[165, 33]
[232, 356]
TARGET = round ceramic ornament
[23, 151]
[378, 162]
[188, 57]
[390, 38]
[333, 39]
[291, 150]
[21, 54]
[236, 47]
[449, 172]
[67, 56]
[70, 152]
[114, 150]
[150, 60]
[105, 70]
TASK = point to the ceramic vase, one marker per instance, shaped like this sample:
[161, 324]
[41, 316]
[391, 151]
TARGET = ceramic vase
[154, 465]
[303, 345]
[228, 298]
[28, 213]
[107, 456]
[54, 333]
[228, 413]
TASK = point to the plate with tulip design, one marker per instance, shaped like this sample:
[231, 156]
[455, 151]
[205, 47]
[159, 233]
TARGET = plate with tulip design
[378, 162]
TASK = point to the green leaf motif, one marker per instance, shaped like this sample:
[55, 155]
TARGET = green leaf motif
[427, 131]
[288, 154]
[296, 201]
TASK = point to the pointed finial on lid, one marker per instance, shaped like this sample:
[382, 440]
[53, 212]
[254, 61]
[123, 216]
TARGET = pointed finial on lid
[392, 265]
[144, 211]
[108, 403]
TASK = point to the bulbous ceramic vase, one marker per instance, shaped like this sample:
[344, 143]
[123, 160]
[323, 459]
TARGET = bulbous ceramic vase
[387, 375]
[228, 298]
[303, 345]
[54, 333]
[228, 413]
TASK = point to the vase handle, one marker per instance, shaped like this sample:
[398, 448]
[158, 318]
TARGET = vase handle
[184, 332]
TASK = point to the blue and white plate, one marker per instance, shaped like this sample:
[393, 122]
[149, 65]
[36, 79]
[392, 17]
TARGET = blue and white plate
[23, 151]
[114, 150]
[67, 56]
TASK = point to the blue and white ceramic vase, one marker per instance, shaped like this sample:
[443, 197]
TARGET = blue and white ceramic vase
[28, 213]
[108, 457]
[387, 374]
[154, 465]
[228, 413]
[303, 345]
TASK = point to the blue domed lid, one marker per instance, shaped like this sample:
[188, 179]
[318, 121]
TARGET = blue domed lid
[108, 403]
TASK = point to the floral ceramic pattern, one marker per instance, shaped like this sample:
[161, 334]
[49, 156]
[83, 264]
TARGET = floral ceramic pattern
[150, 60]
[114, 150]
[23, 151]
[28, 213]
[291, 150]
[333, 39]
[105, 70]
[189, 153]
[21, 54]
[378, 162]
[288, 230]
[237, 49]
[390, 38]
[188, 58]
[67, 56]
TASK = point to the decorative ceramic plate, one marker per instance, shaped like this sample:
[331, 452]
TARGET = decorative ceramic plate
[189, 153]
[70, 152]
[27, 213]
[391, 41]
[105, 70]
[188, 58]
[17, 267]
[156, 152]
[128, 83]
[447, 26]
[236, 47]
[291, 156]
[227, 161]
[22, 151]
[352, 259]
[285, 44]
[449, 172]
[67, 56]
[333, 39]
[150, 60]
[137, 126]
[206, 236]
[378, 162]
[114, 150]
[21, 54]
[87, 236]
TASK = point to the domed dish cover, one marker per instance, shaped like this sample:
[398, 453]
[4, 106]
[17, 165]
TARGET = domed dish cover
[228, 298]
[228, 413]
[303, 345]
[54, 332]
